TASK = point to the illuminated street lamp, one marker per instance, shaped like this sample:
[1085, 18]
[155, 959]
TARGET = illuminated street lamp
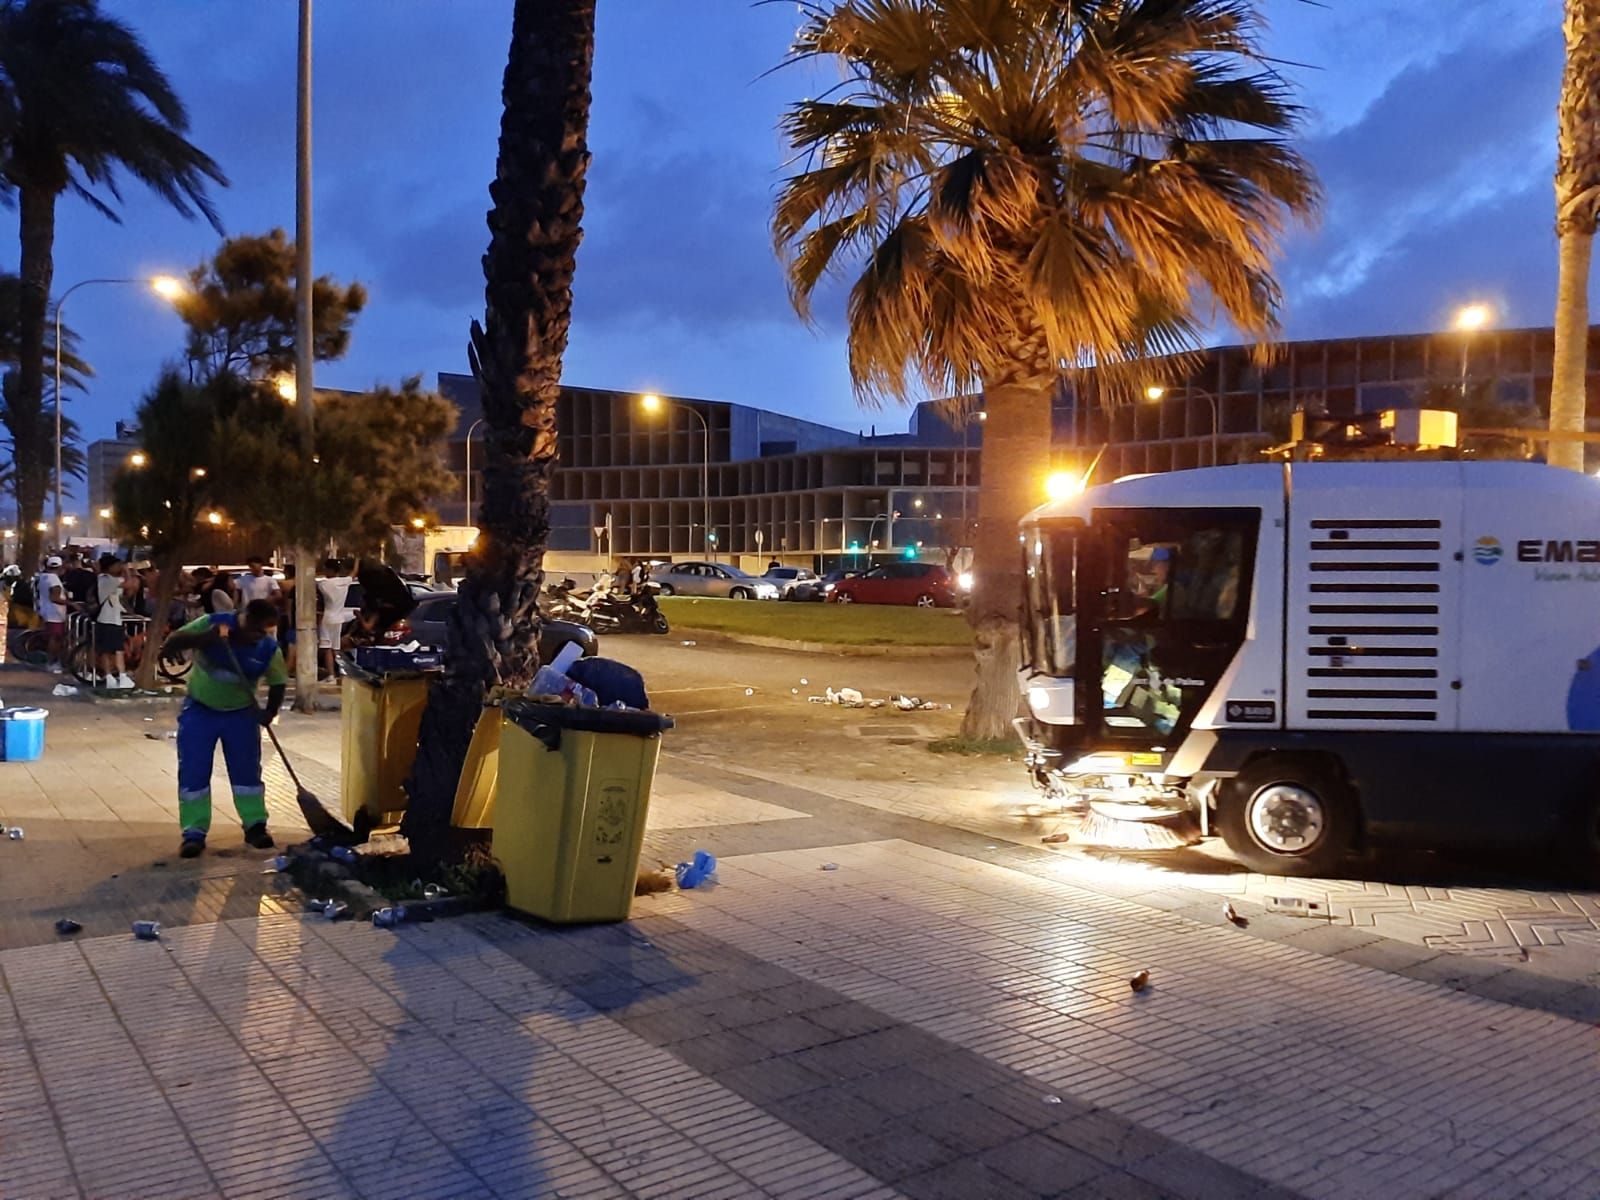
[168, 287]
[418, 523]
[214, 517]
[1155, 392]
[285, 387]
[653, 404]
[138, 459]
[69, 520]
[1469, 319]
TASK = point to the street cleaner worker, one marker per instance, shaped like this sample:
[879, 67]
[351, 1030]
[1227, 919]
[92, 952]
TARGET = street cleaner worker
[232, 651]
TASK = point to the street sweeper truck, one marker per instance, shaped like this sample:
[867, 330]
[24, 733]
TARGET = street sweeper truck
[1312, 658]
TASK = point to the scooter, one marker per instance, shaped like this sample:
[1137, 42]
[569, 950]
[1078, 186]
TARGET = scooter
[631, 612]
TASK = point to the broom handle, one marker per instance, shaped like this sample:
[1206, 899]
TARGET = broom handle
[256, 708]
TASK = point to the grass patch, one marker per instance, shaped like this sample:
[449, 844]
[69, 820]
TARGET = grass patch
[840, 624]
[997, 747]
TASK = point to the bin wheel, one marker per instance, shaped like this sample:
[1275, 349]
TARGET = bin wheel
[1285, 815]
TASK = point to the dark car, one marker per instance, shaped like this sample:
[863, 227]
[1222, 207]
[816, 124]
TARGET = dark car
[426, 626]
[926, 585]
[822, 587]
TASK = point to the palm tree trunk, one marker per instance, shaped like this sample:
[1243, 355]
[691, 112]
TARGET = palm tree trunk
[1568, 386]
[535, 227]
[1015, 461]
[37, 221]
[1577, 209]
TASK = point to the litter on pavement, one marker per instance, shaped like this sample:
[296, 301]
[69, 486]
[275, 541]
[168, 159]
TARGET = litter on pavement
[1295, 906]
[63, 689]
[1231, 914]
[651, 882]
[1054, 839]
[1140, 981]
[66, 925]
[692, 874]
[147, 931]
[829, 867]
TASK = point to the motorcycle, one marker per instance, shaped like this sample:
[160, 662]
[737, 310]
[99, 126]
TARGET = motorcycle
[605, 610]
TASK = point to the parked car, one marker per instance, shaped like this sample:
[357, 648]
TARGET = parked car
[712, 579]
[787, 579]
[926, 585]
[821, 587]
[426, 625]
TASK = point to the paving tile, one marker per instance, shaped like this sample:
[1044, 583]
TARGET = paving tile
[1042, 1165]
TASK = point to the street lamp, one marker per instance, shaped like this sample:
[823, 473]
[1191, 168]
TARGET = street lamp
[651, 403]
[470, 429]
[1156, 392]
[214, 517]
[1469, 319]
[286, 388]
[168, 287]
[138, 459]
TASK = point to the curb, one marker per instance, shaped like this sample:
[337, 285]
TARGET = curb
[848, 651]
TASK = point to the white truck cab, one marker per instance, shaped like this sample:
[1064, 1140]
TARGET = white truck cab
[1314, 656]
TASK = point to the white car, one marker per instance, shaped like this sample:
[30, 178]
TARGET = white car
[712, 579]
[786, 579]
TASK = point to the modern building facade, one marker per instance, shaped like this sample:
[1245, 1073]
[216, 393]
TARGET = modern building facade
[707, 478]
[637, 483]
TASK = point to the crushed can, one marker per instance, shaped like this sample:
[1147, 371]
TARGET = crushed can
[387, 918]
[15, 833]
[334, 909]
[147, 931]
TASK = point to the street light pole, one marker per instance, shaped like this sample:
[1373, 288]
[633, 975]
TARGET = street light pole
[1157, 392]
[1468, 320]
[163, 285]
[470, 429]
[653, 402]
[305, 590]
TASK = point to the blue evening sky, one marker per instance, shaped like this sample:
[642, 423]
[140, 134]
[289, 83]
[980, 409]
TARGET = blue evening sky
[1431, 121]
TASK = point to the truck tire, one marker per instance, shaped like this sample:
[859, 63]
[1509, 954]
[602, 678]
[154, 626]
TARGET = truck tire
[1287, 815]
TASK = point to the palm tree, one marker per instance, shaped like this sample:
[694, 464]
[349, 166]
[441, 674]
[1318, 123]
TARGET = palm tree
[1025, 189]
[1577, 211]
[535, 226]
[80, 98]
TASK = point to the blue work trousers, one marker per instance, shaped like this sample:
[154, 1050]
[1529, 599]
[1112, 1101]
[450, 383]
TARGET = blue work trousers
[199, 730]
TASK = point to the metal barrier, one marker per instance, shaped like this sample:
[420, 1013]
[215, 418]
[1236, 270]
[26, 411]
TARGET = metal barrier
[82, 650]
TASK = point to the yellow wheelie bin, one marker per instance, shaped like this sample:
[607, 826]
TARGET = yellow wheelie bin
[380, 716]
[571, 796]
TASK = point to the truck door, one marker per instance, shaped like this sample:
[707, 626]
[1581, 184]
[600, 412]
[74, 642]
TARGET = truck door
[1173, 603]
[1373, 620]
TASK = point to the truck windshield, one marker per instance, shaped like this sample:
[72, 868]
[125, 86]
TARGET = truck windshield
[1050, 557]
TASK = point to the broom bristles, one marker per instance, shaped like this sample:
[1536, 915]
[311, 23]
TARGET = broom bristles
[1170, 834]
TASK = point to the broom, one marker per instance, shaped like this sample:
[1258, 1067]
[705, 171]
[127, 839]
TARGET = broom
[1137, 827]
[319, 820]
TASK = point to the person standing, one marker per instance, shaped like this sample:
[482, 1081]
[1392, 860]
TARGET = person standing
[234, 652]
[108, 632]
[334, 590]
[286, 633]
[51, 598]
[79, 580]
[256, 584]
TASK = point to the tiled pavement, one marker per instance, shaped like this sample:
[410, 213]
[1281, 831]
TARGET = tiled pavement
[944, 1014]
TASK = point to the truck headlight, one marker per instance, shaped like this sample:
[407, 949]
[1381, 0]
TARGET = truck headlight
[1039, 699]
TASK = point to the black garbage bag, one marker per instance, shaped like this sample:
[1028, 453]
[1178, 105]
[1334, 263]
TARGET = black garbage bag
[610, 681]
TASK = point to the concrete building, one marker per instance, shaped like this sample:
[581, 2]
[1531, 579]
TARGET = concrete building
[772, 485]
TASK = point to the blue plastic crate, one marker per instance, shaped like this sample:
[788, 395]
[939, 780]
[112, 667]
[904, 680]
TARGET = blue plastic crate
[22, 734]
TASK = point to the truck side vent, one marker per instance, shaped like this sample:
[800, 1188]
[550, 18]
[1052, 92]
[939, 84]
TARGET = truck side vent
[1361, 637]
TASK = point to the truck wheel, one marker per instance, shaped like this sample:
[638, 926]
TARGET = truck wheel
[1287, 816]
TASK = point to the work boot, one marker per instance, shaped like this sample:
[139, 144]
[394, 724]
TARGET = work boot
[193, 846]
[258, 836]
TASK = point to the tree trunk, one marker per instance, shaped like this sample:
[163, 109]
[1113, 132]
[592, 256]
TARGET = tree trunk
[1569, 382]
[1577, 208]
[1015, 462]
[37, 221]
[534, 230]
[170, 568]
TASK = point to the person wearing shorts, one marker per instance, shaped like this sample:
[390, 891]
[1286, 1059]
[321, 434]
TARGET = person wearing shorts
[334, 590]
[52, 600]
[108, 632]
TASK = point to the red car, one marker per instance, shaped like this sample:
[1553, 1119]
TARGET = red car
[919, 583]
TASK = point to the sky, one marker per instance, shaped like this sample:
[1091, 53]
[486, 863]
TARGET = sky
[1431, 123]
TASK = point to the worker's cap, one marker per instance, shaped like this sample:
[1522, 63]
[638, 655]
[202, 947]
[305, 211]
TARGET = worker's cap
[53, 561]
